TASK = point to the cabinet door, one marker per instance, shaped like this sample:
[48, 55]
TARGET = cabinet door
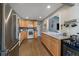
[43, 39]
[27, 23]
[23, 35]
[49, 42]
[46, 41]
[52, 44]
[20, 23]
[55, 47]
[35, 35]
[34, 23]
[24, 23]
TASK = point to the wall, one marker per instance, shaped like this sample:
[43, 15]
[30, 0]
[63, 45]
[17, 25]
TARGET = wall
[0, 27]
[45, 25]
[66, 13]
[69, 13]
[39, 28]
[53, 24]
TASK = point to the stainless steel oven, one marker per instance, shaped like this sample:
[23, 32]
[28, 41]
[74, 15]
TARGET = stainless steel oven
[30, 33]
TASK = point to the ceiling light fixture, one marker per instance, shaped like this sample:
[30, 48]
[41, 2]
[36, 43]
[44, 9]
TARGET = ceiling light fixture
[27, 17]
[48, 7]
[40, 17]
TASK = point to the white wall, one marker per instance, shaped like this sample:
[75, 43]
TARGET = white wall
[53, 24]
[69, 13]
[45, 28]
[65, 14]
[39, 28]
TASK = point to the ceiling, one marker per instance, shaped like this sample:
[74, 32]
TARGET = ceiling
[34, 10]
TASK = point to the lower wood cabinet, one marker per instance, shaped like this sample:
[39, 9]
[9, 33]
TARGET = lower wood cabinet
[52, 44]
[23, 35]
[35, 35]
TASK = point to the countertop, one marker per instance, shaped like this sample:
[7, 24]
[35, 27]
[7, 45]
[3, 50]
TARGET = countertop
[56, 35]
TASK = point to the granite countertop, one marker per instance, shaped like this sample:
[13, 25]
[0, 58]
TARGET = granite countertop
[56, 35]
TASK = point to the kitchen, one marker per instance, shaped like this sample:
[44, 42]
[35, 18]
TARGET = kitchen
[50, 25]
[56, 32]
[68, 43]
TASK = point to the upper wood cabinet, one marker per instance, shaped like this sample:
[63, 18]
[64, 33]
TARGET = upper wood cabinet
[27, 23]
[22, 23]
[34, 23]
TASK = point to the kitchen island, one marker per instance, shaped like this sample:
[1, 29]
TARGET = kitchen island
[52, 42]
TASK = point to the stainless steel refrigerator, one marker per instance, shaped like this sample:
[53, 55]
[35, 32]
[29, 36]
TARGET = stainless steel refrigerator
[9, 45]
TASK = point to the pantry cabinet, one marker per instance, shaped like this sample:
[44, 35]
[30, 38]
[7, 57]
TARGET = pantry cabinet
[35, 35]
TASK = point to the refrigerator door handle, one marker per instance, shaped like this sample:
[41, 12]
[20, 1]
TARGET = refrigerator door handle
[13, 47]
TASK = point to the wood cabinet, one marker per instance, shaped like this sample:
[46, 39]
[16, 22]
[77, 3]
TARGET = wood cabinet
[23, 35]
[55, 46]
[52, 44]
[22, 23]
[27, 23]
[35, 35]
[34, 23]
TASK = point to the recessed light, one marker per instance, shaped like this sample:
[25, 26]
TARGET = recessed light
[40, 17]
[48, 7]
[27, 17]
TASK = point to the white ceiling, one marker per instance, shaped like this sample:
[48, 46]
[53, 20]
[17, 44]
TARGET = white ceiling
[34, 10]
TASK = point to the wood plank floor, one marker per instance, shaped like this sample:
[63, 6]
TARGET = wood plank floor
[32, 47]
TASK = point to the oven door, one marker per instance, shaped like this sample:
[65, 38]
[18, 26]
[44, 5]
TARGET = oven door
[30, 33]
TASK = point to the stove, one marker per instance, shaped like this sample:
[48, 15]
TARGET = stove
[70, 48]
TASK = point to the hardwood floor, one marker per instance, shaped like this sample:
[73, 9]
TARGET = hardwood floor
[32, 47]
